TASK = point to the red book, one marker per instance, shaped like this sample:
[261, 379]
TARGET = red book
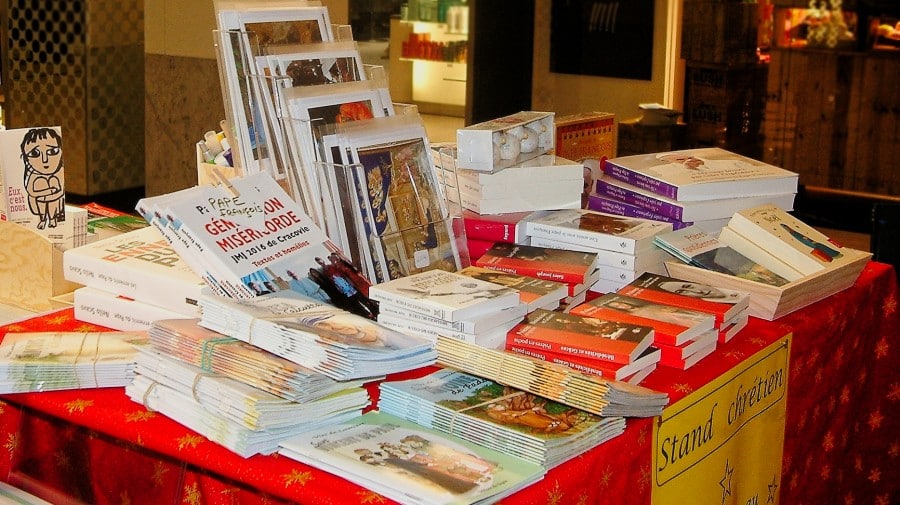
[605, 369]
[572, 335]
[544, 263]
[685, 363]
[674, 325]
[477, 247]
[677, 352]
[507, 227]
[724, 303]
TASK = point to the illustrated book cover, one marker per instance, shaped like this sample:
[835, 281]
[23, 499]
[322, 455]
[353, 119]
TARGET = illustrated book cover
[596, 229]
[701, 174]
[541, 262]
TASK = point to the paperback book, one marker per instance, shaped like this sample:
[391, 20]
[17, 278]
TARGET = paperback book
[610, 205]
[445, 295]
[550, 380]
[32, 176]
[116, 312]
[471, 325]
[644, 259]
[801, 246]
[701, 174]
[695, 247]
[516, 201]
[533, 292]
[727, 236]
[409, 463]
[492, 337]
[632, 373]
[672, 325]
[687, 349]
[541, 262]
[724, 304]
[592, 337]
[596, 229]
[508, 227]
[499, 417]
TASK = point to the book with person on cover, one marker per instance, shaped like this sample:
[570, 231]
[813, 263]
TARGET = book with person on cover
[672, 325]
[139, 264]
[559, 265]
[697, 248]
[596, 229]
[446, 295]
[410, 463]
[533, 292]
[801, 246]
[592, 337]
[724, 303]
[708, 173]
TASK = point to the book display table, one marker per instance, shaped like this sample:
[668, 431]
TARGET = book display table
[840, 435]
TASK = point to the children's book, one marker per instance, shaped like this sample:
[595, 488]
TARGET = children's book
[701, 174]
[541, 262]
[596, 229]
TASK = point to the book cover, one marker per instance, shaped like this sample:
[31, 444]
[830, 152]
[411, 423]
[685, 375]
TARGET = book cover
[592, 337]
[601, 368]
[596, 229]
[723, 303]
[697, 248]
[757, 253]
[139, 264]
[533, 292]
[610, 205]
[701, 174]
[504, 227]
[542, 262]
[788, 238]
[445, 295]
[410, 463]
[115, 312]
[672, 325]
[700, 210]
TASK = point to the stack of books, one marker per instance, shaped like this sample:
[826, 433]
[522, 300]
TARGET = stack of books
[729, 308]
[552, 381]
[623, 245]
[437, 302]
[702, 186]
[577, 269]
[52, 361]
[232, 413]
[683, 336]
[499, 417]
[319, 336]
[608, 348]
[131, 279]
[485, 230]
[533, 292]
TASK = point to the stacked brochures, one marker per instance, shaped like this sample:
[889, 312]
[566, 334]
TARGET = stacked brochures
[499, 417]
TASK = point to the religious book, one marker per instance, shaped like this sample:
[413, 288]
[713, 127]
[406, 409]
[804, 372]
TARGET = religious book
[784, 236]
[672, 325]
[541, 262]
[686, 211]
[103, 308]
[610, 205]
[601, 368]
[508, 227]
[697, 248]
[683, 351]
[533, 292]
[708, 173]
[490, 337]
[470, 325]
[688, 361]
[498, 417]
[758, 253]
[410, 463]
[445, 295]
[140, 264]
[577, 335]
[644, 259]
[724, 304]
[596, 229]
[515, 201]
[52, 361]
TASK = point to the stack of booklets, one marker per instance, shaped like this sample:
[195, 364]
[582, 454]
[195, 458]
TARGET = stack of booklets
[698, 248]
[577, 269]
[729, 307]
[623, 245]
[612, 349]
[693, 186]
[240, 417]
[683, 336]
[409, 463]
[434, 302]
[186, 340]
[325, 338]
[550, 380]
[51, 361]
[132, 279]
[496, 416]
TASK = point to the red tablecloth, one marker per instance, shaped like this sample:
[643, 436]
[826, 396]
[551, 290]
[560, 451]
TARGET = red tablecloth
[841, 437]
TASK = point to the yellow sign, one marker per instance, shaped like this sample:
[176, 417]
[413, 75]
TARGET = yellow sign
[723, 443]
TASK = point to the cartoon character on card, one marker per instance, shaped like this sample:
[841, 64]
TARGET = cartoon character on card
[42, 156]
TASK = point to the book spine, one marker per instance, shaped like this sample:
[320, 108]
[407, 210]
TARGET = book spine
[589, 239]
[394, 312]
[640, 180]
[653, 205]
[533, 271]
[513, 339]
[408, 304]
[106, 309]
[583, 367]
[424, 330]
[612, 206]
[485, 229]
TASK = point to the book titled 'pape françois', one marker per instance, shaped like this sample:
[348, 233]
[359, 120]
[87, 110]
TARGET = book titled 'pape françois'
[139, 264]
[590, 337]
[559, 265]
[723, 303]
[596, 229]
[701, 174]
[446, 295]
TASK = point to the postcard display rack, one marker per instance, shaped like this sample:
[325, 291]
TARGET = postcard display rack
[366, 179]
